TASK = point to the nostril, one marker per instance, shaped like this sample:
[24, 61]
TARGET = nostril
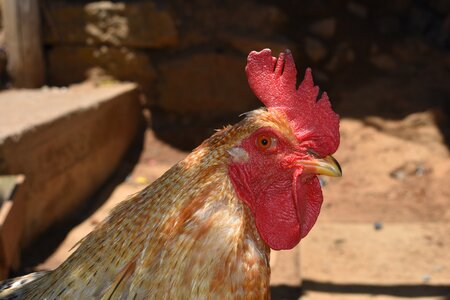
[313, 153]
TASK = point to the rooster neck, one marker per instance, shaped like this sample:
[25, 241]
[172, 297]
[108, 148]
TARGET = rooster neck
[211, 241]
[186, 234]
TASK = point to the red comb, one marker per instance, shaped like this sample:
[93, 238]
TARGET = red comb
[274, 82]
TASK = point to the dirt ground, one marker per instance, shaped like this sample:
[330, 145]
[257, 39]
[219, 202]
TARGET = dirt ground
[384, 230]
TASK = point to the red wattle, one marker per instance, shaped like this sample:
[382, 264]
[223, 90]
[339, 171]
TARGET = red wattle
[276, 220]
[308, 202]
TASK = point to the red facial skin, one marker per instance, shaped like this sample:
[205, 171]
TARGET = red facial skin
[285, 202]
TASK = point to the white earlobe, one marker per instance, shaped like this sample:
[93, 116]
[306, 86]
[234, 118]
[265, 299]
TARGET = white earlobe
[238, 154]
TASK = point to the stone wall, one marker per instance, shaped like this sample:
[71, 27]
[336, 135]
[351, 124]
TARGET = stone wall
[189, 56]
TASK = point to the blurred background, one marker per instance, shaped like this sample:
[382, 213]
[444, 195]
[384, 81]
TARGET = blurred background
[101, 97]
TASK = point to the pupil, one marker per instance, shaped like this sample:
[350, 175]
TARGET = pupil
[264, 142]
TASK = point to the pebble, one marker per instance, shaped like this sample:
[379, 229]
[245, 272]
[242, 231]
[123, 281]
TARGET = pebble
[399, 174]
[408, 169]
[378, 225]
[426, 278]
[420, 170]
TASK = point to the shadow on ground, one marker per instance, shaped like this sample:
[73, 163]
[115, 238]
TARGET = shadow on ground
[285, 292]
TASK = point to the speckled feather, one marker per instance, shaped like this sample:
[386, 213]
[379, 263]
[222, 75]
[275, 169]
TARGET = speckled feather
[187, 235]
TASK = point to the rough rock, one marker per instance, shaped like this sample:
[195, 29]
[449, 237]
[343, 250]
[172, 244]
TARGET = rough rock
[68, 64]
[209, 22]
[209, 84]
[104, 22]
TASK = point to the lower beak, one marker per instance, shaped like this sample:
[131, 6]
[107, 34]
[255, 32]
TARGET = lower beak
[322, 166]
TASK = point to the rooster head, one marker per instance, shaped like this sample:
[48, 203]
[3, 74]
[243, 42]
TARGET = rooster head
[274, 167]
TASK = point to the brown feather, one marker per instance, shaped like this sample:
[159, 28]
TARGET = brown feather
[187, 235]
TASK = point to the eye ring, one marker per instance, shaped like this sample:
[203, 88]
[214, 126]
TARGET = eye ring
[264, 141]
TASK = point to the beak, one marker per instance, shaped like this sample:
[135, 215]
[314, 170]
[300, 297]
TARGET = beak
[322, 166]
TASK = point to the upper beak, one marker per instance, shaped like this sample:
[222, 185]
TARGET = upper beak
[322, 166]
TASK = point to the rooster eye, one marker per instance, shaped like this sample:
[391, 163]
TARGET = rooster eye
[264, 142]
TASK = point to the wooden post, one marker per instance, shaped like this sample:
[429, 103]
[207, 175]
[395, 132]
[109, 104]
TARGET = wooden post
[22, 23]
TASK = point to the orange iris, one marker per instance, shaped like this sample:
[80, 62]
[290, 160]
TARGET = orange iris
[264, 142]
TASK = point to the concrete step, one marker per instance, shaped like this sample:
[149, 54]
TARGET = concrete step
[66, 141]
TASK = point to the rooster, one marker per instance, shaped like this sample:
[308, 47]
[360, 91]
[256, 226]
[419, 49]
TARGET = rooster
[205, 228]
